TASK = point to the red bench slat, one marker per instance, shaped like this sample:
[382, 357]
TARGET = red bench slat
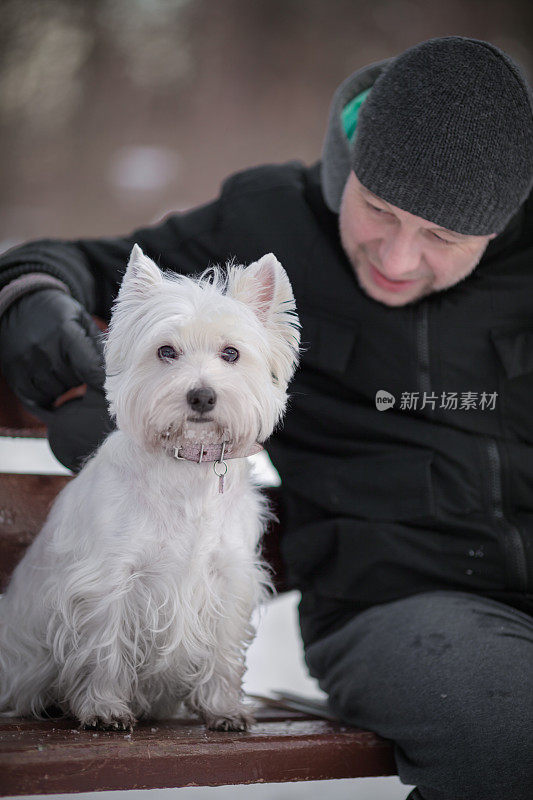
[52, 756]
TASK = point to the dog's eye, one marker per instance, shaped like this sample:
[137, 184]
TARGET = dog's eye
[230, 354]
[167, 351]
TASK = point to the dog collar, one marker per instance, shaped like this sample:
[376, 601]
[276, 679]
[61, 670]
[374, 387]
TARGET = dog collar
[212, 452]
[216, 453]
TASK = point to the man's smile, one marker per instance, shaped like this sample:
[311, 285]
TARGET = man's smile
[385, 283]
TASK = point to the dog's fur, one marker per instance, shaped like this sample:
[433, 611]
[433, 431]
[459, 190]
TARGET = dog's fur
[137, 594]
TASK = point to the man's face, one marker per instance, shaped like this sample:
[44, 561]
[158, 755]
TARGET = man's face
[397, 257]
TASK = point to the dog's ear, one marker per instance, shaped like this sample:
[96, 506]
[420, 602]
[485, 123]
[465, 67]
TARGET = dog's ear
[255, 285]
[141, 275]
[265, 288]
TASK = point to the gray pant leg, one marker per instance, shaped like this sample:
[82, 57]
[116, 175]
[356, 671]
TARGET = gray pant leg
[448, 677]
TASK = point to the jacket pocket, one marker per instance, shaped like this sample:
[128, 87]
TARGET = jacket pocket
[514, 349]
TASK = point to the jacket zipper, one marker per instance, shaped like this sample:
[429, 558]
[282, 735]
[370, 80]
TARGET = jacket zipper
[515, 557]
[422, 346]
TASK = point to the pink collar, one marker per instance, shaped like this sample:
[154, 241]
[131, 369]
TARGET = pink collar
[212, 452]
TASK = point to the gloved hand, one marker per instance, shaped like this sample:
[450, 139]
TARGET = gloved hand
[78, 427]
[48, 344]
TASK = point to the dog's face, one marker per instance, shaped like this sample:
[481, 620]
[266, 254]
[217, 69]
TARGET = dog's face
[201, 361]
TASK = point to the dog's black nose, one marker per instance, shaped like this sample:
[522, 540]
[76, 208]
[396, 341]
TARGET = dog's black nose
[202, 400]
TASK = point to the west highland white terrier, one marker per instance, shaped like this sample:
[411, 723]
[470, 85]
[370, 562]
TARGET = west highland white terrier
[137, 594]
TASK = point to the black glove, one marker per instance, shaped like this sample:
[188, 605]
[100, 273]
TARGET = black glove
[48, 344]
[78, 427]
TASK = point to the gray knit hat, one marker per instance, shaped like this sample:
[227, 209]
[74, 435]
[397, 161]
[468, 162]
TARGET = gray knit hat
[446, 133]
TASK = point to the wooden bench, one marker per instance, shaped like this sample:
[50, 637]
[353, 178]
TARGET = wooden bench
[53, 756]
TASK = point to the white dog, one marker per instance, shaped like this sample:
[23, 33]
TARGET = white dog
[137, 594]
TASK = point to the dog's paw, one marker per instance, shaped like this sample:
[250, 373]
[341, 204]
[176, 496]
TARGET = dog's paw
[124, 722]
[235, 722]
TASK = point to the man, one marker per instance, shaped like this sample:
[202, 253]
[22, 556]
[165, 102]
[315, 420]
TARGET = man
[406, 457]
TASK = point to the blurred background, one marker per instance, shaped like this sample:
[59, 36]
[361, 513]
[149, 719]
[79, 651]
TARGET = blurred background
[114, 113]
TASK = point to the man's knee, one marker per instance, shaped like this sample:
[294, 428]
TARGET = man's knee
[430, 642]
[448, 678]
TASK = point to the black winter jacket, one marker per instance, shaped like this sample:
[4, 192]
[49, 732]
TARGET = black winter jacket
[380, 504]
